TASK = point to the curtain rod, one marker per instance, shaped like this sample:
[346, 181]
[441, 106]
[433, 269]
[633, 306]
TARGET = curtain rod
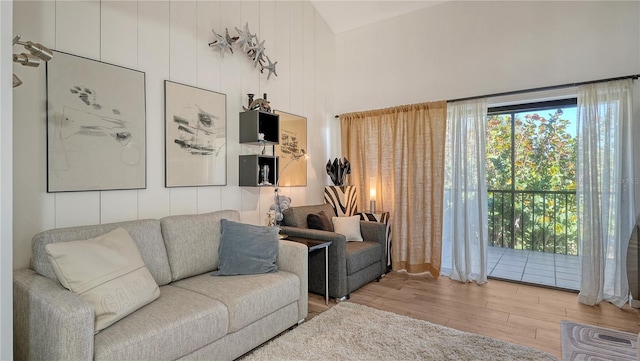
[552, 87]
[531, 90]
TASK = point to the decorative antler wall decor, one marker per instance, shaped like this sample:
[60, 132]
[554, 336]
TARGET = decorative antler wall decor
[249, 43]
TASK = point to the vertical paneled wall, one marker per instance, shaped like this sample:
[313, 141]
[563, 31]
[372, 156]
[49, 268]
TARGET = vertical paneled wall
[6, 160]
[168, 41]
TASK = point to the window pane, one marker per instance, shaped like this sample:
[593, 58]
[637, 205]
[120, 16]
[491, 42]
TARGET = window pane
[498, 152]
[545, 150]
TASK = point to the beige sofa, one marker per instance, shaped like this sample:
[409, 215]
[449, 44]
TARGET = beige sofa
[196, 317]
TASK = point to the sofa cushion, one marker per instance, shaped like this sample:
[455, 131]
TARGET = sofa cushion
[106, 271]
[362, 254]
[297, 216]
[248, 297]
[319, 221]
[349, 227]
[146, 234]
[246, 249]
[192, 242]
[176, 324]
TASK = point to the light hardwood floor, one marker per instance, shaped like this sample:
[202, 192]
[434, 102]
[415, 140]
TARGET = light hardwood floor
[518, 313]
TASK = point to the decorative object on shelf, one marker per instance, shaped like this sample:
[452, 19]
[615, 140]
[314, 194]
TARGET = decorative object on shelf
[343, 199]
[264, 175]
[96, 123]
[249, 44]
[372, 194]
[338, 170]
[37, 52]
[291, 147]
[262, 105]
[252, 171]
[195, 136]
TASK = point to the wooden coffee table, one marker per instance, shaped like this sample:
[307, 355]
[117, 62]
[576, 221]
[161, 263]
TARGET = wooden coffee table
[315, 245]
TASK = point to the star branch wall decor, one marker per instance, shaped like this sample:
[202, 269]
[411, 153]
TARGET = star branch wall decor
[250, 45]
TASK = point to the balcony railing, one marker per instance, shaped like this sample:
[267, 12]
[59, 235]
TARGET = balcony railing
[543, 221]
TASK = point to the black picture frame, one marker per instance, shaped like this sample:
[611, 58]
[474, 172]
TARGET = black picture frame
[195, 136]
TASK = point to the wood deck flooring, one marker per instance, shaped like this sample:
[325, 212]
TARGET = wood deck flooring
[517, 313]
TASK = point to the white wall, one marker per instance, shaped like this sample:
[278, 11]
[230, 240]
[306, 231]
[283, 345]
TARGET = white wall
[168, 40]
[6, 151]
[458, 49]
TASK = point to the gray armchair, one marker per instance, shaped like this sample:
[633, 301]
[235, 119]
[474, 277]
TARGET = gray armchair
[351, 264]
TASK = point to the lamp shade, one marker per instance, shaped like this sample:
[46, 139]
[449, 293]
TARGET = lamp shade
[372, 188]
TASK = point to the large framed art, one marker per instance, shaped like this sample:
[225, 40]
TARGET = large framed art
[292, 150]
[96, 125]
[195, 136]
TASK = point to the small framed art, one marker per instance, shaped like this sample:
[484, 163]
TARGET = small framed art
[292, 150]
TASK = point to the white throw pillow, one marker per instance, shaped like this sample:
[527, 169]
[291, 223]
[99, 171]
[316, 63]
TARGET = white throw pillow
[349, 226]
[106, 271]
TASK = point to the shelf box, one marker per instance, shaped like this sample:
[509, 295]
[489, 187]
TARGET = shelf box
[251, 170]
[253, 122]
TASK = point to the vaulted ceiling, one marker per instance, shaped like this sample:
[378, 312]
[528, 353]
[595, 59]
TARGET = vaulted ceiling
[343, 16]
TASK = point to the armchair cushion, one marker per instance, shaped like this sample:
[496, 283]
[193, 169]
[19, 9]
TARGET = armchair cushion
[362, 254]
[319, 221]
[297, 216]
[349, 227]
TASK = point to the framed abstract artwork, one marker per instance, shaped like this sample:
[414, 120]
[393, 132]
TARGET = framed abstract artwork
[195, 136]
[292, 150]
[96, 125]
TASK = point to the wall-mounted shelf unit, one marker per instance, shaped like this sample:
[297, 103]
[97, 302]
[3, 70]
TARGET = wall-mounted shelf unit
[252, 171]
[254, 122]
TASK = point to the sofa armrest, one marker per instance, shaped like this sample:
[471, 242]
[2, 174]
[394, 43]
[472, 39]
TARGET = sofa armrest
[293, 257]
[337, 257]
[49, 321]
[376, 232]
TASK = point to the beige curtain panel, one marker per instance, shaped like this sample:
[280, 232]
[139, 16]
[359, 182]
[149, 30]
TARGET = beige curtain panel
[403, 148]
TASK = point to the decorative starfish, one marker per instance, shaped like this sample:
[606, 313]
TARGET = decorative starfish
[245, 38]
[221, 43]
[229, 39]
[250, 45]
[258, 51]
[271, 67]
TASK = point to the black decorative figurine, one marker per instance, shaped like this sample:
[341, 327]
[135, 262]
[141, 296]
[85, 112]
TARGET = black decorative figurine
[338, 170]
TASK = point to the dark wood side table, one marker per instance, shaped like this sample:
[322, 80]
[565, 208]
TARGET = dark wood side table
[315, 245]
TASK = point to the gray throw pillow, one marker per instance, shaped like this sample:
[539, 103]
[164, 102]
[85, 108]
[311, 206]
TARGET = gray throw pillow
[247, 249]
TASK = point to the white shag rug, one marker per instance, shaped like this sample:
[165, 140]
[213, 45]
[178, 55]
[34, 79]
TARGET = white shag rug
[350, 331]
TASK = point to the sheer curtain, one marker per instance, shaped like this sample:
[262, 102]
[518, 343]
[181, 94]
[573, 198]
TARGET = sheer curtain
[465, 227]
[403, 147]
[606, 212]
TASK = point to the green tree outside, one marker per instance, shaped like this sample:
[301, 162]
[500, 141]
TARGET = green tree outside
[532, 201]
